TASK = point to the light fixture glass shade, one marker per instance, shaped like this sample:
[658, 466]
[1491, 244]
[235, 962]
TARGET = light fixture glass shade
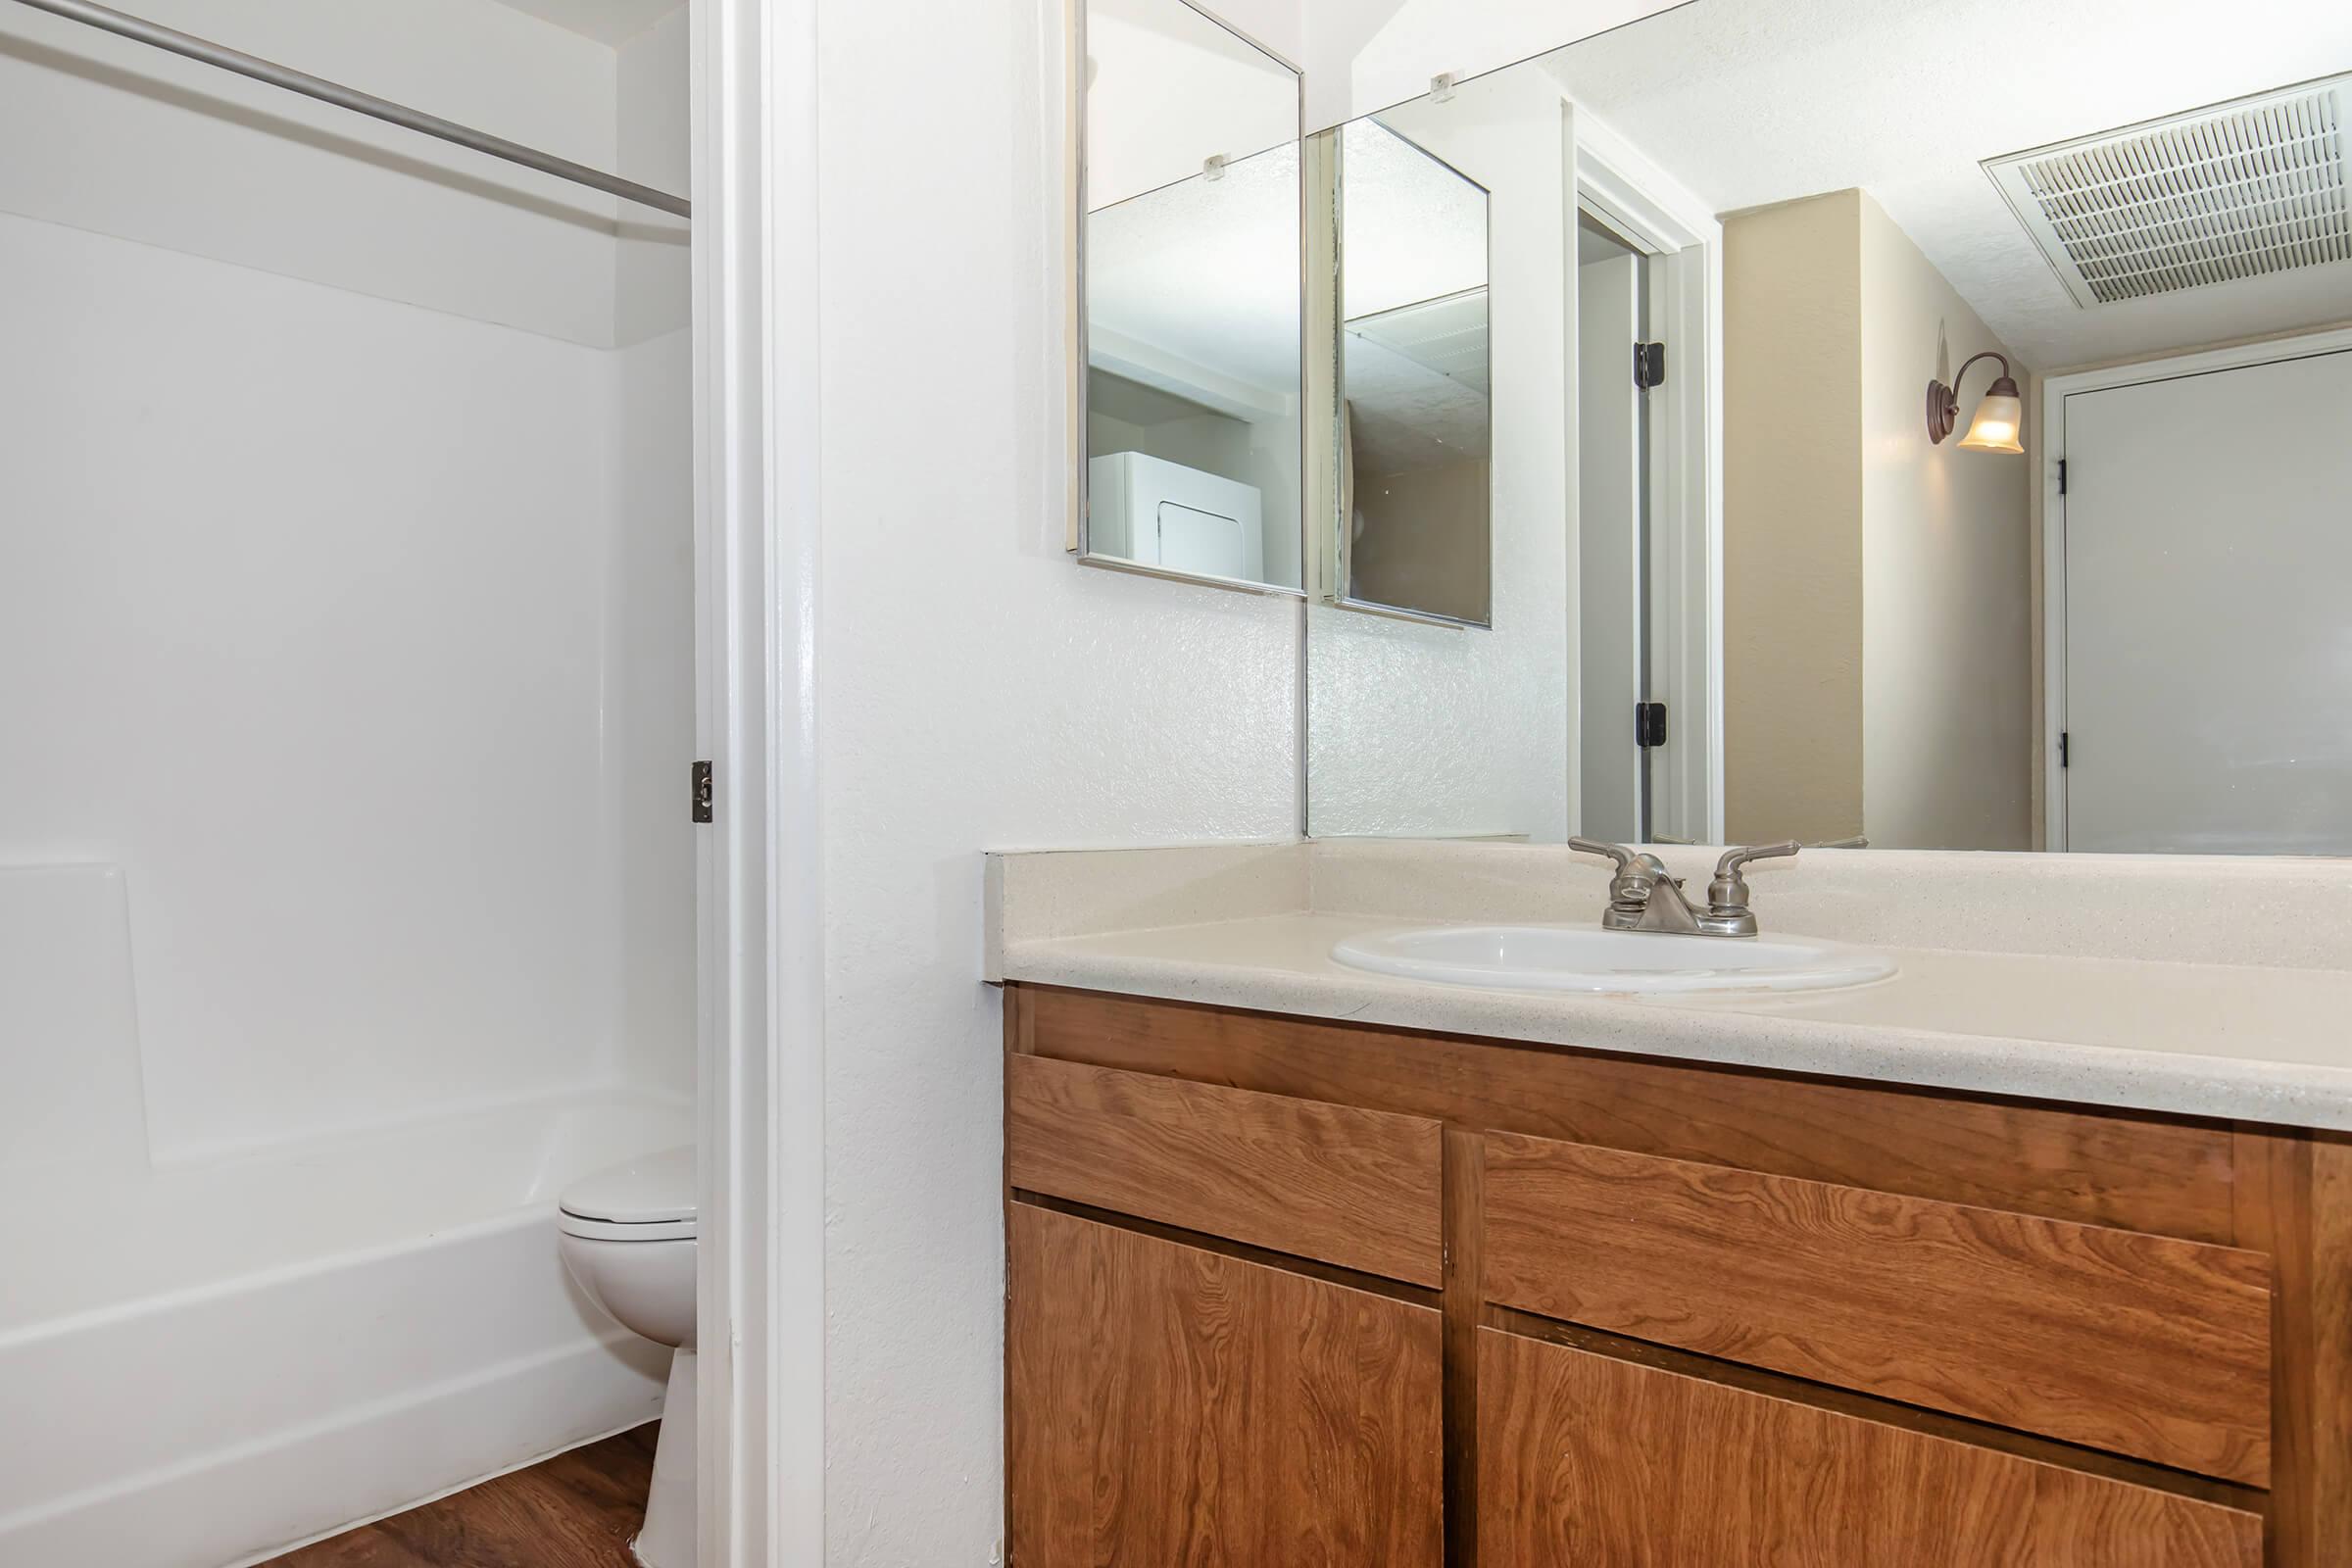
[1998, 419]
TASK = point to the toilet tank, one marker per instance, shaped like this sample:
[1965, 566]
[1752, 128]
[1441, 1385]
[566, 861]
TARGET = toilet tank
[1161, 514]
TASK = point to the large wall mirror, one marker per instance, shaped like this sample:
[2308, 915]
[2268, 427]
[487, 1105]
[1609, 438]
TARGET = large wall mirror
[1189, 261]
[1857, 434]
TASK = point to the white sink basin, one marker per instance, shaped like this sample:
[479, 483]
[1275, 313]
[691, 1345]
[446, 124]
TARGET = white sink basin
[1544, 957]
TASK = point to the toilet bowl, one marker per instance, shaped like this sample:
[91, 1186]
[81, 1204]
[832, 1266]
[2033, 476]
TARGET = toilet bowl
[627, 1233]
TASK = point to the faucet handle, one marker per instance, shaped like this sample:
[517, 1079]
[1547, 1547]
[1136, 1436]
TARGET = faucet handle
[1618, 853]
[1727, 913]
[1726, 870]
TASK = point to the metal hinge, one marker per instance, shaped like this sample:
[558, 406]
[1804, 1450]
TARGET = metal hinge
[2062, 476]
[2063, 744]
[1649, 723]
[1649, 364]
[701, 792]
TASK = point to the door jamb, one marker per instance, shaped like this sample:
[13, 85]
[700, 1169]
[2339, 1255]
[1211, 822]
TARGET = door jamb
[1646, 204]
[759, 1283]
[2055, 390]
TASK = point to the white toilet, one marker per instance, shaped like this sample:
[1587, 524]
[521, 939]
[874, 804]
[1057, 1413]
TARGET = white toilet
[627, 1235]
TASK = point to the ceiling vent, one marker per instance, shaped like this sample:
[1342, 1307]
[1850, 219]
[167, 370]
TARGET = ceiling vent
[2243, 189]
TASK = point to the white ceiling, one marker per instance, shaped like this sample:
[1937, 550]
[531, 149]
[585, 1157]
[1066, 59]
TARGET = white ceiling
[605, 21]
[1752, 103]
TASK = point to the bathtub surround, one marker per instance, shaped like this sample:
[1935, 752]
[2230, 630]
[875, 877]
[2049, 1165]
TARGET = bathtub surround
[348, 611]
[177, 1356]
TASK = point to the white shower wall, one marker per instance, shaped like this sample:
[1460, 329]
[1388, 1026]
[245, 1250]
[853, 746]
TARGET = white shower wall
[345, 560]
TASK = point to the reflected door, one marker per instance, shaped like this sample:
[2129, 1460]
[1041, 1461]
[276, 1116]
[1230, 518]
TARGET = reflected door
[2208, 618]
[1613, 766]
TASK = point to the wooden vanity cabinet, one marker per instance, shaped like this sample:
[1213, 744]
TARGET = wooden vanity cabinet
[1285, 1291]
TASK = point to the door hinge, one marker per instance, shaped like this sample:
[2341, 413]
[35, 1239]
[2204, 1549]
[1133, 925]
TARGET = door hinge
[1650, 724]
[2062, 476]
[1649, 364]
[2064, 744]
[701, 792]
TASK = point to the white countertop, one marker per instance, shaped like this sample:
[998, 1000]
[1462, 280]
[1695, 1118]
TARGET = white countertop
[2235, 1040]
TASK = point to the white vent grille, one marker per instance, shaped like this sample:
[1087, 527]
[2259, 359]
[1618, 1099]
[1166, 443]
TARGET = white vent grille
[2243, 190]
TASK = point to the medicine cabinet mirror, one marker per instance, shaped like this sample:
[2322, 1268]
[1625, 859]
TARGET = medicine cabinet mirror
[1188, 258]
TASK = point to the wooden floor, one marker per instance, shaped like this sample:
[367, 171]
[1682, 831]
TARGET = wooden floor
[577, 1510]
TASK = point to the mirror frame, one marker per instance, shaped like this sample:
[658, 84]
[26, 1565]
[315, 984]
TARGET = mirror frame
[1077, 540]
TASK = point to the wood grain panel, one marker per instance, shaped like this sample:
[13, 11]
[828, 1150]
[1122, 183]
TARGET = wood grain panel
[2295, 1201]
[1587, 1459]
[1362, 1188]
[2170, 1177]
[2143, 1345]
[1170, 1406]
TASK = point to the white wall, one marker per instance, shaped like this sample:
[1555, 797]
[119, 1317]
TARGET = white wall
[978, 690]
[343, 581]
[1948, 682]
[1420, 730]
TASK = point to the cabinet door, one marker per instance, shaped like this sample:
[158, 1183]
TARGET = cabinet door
[1168, 1405]
[1589, 1460]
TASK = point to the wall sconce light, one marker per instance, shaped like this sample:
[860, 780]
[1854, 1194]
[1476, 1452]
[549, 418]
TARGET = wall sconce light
[2000, 418]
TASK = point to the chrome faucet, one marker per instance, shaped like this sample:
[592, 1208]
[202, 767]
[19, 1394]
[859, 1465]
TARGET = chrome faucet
[1645, 897]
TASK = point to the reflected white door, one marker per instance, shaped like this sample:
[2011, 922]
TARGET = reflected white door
[1608, 633]
[2209, 613]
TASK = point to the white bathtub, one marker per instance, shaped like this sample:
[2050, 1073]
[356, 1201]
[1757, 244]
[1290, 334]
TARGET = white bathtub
[205, 1365]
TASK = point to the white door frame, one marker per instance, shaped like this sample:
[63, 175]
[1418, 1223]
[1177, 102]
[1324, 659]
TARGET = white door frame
[1646, 204]
[2055, 390]
[760, 914]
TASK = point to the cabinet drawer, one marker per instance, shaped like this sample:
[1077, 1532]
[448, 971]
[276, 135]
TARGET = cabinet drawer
[1587, 1459]
[1359, 1189]
[2140, 1345]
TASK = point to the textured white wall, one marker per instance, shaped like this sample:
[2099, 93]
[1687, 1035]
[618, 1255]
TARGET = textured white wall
[979, 690]
[1418, 730]
[1947, 685]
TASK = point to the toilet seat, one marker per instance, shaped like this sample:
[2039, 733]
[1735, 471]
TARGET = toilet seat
[649, 1198]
